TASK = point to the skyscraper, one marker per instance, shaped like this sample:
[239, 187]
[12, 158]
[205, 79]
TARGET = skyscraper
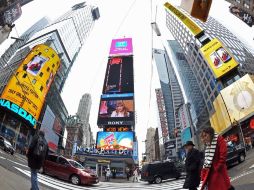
[84, 113]
[209, 86]
[84, 107]
[171, 90]
[162, 114]
[66, 38]
[199, 113]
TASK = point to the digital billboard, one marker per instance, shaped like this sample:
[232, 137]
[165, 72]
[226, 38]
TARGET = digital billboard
[234, 103]
[121, 46]
[115, 140]
[119, 75]
[26, 90]
[116, 109]
[218, 58]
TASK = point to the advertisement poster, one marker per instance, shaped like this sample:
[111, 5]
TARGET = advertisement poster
[116, 109]
[26, 91]
[115, 140]
[121, 46]
[47, 126]
[12, 14]
[218, 58]
[119, 75]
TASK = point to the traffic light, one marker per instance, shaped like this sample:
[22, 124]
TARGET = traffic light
[197, 8]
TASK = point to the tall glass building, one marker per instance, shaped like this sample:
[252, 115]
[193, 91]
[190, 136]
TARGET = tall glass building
[198, 110]
[210, 87]
[171, 91]
[66, 38]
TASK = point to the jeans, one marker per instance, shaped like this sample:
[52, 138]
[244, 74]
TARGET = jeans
[34, 180]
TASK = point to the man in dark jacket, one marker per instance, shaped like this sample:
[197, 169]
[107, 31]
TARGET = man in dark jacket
[192, 166]
[35, 160]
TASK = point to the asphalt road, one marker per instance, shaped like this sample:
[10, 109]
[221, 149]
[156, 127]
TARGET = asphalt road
[15, 175]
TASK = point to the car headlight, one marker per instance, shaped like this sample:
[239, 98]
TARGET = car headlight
[85, 174]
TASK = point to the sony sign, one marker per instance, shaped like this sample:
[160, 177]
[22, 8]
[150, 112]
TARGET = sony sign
[115, 122]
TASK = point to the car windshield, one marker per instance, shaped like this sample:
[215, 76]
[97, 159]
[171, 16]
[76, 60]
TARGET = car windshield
[7, 143]
[76, 164]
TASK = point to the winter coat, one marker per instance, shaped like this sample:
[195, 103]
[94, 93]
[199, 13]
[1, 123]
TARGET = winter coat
[217, 176]
[35, 162]
[192, 166]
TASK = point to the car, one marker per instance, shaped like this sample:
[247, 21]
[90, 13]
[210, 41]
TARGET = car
[235, 154]
[68, 169]
[158, 171]
[6, 145]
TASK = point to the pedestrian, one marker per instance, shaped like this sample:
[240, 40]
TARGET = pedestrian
[36, 154]
[128, 173]
[192, 166]
[214, 173]
[108, 173]
[135, 175]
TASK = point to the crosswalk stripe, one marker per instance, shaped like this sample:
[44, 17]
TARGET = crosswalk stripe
[61, 185]
[252, 166]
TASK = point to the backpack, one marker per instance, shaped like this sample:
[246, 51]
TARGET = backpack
[40, 147]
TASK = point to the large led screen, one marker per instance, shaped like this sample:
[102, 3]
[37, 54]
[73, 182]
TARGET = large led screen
[121, 46]
[119, 75]
[115, 140]
[26, 90]
[116, 109]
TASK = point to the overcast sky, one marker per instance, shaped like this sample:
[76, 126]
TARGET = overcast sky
[120, 18]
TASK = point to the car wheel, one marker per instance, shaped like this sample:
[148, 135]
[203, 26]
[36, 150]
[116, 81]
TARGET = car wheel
[75, 180]
[158, 180]
[241, 158]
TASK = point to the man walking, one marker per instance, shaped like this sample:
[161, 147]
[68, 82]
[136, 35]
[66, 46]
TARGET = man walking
[135, 175]
[37, 152]
[192, 166]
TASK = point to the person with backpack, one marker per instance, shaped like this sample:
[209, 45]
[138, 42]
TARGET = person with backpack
[36, 154]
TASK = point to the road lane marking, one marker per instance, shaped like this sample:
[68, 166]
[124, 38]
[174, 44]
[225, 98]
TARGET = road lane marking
[54, 183]
[252, 166]
[2, 157]
[242, 175]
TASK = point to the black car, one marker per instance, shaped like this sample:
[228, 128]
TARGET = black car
[235, 154]
[6, 145]
[158, 171]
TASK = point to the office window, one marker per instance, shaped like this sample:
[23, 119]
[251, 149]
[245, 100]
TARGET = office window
[41, 74]
[24, 75]
[41, 88]
[48, 69]
[209, 106]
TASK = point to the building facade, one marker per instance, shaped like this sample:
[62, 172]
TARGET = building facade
[63, 36]
[245, 5]
[209, 86]
[199, 113]
[162, 114]
[171, 91]
[150, 145]
[84, 109]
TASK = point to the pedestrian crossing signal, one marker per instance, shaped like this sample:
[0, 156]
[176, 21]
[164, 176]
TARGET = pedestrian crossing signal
[197, 8]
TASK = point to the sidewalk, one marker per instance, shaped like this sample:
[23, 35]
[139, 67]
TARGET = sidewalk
[118, 180]
[12, 181]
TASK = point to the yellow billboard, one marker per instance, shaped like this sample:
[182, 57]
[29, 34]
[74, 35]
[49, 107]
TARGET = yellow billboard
[238, 98]
[190, 24]
[26, 90]
[219, 59]
[220, 120]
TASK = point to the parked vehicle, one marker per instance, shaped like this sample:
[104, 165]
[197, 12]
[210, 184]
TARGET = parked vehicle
[158, 171]
[235, 154]
[6, 145]
[69, 170]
